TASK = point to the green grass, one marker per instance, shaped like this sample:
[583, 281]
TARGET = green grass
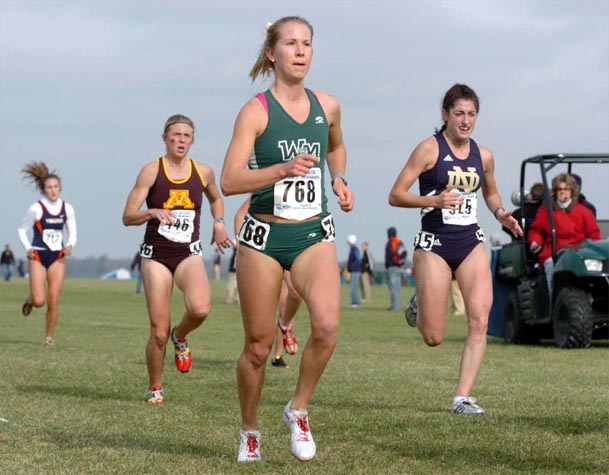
[381, 406]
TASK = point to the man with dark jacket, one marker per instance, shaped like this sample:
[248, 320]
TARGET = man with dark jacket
[395, 257]
[8, 261]
[582, 197]
[354, 266]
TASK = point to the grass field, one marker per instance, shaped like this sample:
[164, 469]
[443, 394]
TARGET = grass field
[381, 407]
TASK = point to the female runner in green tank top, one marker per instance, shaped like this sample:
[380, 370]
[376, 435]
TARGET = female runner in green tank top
[292, 132]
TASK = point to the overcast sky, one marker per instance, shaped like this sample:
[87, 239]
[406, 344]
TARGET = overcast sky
[86, 86]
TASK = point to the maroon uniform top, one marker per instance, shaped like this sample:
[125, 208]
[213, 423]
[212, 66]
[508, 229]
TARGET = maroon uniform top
[184, 198]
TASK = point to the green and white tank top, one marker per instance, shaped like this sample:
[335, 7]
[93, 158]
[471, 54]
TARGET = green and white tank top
[295, 198]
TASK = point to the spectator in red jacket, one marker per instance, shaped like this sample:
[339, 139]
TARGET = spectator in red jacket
[574, 222]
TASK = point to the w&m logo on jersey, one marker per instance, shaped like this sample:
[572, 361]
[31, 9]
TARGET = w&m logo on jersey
[463, 180]
[291, 149]
[179, 198]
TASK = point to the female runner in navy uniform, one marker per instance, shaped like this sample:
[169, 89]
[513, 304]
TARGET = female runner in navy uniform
[450, 168]
[46, 254]
[293, 132]
[173, 188]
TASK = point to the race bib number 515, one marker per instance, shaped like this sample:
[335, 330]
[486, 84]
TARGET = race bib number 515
[466, 212]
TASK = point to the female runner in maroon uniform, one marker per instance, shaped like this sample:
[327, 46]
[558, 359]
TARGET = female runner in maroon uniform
[172, 187]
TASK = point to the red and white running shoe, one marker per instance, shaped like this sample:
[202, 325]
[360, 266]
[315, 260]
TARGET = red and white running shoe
[249, 446]
[290, 343]
[303, 445]
[182, 352]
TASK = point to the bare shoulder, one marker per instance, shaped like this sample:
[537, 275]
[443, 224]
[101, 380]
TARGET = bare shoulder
[330, 105]
[325, 98]
[206, 171]
[486, 154]
[425, 154]
[254, 114]
[148, 173]
[328, 102]
[429, 145]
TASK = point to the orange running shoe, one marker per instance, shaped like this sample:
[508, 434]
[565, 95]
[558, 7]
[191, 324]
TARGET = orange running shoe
[183, 356]
[290, 343]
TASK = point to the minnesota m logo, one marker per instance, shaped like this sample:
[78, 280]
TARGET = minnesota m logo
[179, 198]
[465, 181]
[290, 150]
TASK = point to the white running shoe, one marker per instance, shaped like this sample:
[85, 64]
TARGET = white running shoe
[411, 310]
[303, 445]
[249, 446]
[466, 406]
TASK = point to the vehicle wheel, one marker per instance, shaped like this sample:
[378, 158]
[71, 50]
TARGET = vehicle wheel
[572, 319]
[512, 324]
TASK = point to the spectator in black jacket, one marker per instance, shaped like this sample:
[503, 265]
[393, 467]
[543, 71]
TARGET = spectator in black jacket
[354, 266]
[8, 261]
[532, 201]
[582, 197]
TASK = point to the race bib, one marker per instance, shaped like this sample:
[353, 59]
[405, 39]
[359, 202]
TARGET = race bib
[327, 224]
[146, 250]
[182, 228]
[53, 239]
[298, 197]
[465, 214]
[426, 240]
[195, 248]
[254, 233]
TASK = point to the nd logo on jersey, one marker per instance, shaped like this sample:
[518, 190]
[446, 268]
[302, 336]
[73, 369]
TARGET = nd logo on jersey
[291, 149]
[466, 181]
[179, 198]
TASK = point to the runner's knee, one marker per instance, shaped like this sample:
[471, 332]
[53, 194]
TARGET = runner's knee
[200, 312]
[433, 340]
[477, 326]
[432, 336]
[159, 336]
[325, 330]
[258, 353]
[38, 300]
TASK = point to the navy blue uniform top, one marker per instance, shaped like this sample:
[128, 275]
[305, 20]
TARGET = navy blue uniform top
[49, 221]
[465, 175]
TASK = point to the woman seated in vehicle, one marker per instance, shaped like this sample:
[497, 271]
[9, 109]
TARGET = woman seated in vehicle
[573, 221]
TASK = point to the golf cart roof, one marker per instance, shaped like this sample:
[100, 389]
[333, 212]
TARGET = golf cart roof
[551, 160]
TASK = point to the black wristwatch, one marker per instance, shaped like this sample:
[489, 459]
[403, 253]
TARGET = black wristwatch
[338, 175]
